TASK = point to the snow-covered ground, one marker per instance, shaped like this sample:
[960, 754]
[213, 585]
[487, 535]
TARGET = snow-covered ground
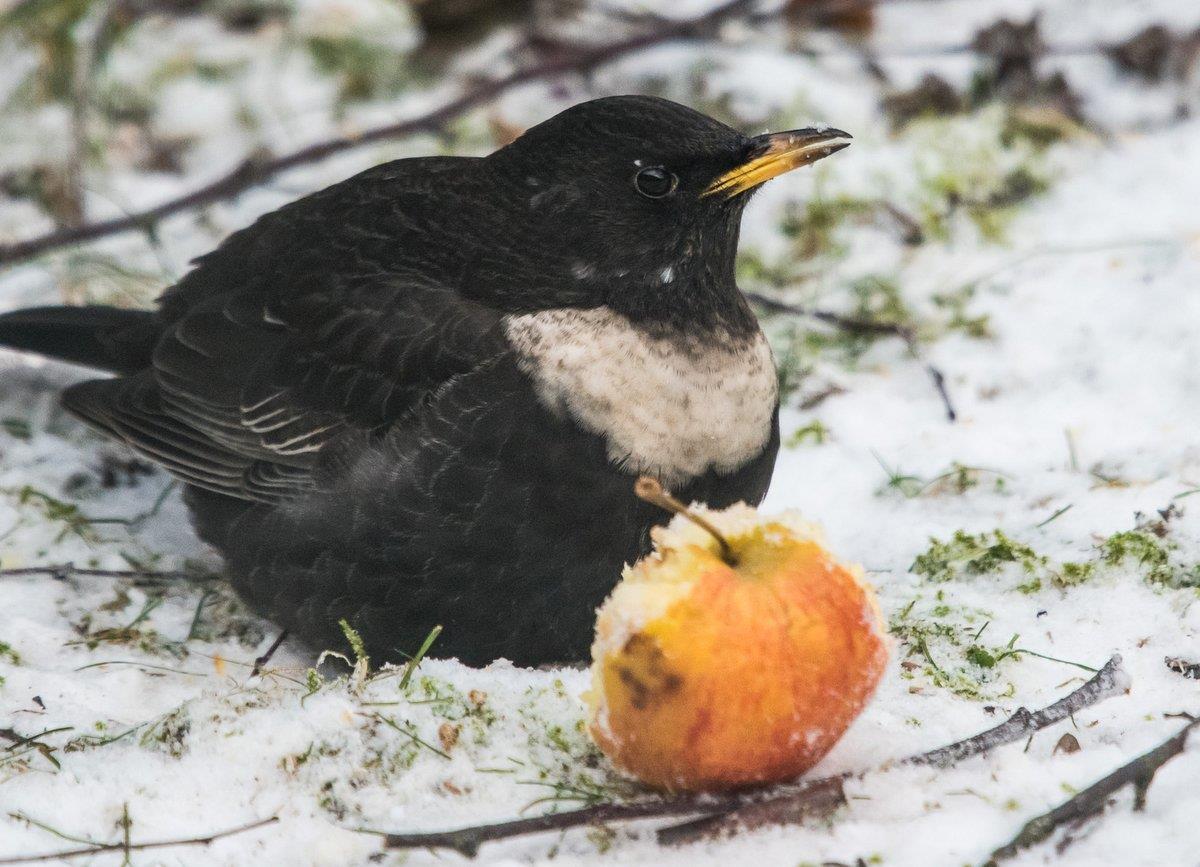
[1068, 328]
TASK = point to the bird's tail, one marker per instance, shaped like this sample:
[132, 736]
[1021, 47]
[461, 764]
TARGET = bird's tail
[104, 338]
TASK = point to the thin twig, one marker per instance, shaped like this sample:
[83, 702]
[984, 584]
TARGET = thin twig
[50, 829]
[126, 829]
[146, 665]
[859, 325]
[18, 740]
[935, 373]
[1094, 799]
[63, 571]
[259, 168]
[1110, 680]
[467, 841]
[408, 732]
[266, 657]
[1057, 514]
[32, 743]
[126, 846]
[818, 798]
[199, 614]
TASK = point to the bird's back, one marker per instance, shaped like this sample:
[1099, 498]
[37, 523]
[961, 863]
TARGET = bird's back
[386, 219]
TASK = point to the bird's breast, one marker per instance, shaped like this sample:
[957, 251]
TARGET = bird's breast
[671, 404]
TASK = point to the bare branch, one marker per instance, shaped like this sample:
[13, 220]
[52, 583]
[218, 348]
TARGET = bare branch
[467, 841]
[63, 571]
[813, 799]
[858, 325]
[259, 168]
[270, 652]
[778, 804]
[126, 846]
[1094, 799]
[818, 798]
[1107, 682]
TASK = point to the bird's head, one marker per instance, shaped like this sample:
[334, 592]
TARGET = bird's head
[635, 202]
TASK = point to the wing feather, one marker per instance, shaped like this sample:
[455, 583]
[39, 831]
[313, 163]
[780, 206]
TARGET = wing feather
[240, 405]
[301, 331]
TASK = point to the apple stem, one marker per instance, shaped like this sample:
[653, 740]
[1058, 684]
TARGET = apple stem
[651, 490]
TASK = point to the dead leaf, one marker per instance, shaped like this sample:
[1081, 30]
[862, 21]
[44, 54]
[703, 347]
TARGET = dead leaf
[1068, 744]
[448, 735]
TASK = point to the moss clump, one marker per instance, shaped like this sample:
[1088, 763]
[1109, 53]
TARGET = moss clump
[7, 652]
[984, 553]
[960, 320]
[17, 428]
[875, 299]
[563, 758]
[1070, 574]
[291, 764]
[138, 633]
[814, 433]
[364, 69]
[989, 202]
[967, 554]
[331, 803]
[879, 299]
[1153, 557]
[942, 644]
[170, 733]
[954, 655]
[981, 656]
[312, 682]
[958, 479]
[813, 227]
[1039, 127]
[355, 641]
[53, 509]
[974, 167]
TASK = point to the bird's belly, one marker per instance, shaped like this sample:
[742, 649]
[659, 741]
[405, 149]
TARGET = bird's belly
[671, 405]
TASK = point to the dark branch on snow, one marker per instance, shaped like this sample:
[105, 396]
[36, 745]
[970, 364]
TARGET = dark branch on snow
[815, 800]
[780, 804]
[260, 168]
[858, 325]
[125, 846]
[1093, 800]
[63, 571]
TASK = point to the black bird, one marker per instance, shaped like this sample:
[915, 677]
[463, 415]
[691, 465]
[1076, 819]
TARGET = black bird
[422, 395]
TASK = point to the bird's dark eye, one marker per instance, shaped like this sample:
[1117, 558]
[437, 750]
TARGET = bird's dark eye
[655, 182]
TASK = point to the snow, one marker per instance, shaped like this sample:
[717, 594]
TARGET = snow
[1086, 398]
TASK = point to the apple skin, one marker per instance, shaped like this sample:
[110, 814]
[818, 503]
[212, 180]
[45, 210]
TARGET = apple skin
[710, 677]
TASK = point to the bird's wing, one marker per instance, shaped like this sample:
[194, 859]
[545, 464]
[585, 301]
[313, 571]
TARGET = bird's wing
[247, 388]
[321, 320]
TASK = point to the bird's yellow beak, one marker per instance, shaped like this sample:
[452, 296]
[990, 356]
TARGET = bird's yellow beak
[773, 154]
